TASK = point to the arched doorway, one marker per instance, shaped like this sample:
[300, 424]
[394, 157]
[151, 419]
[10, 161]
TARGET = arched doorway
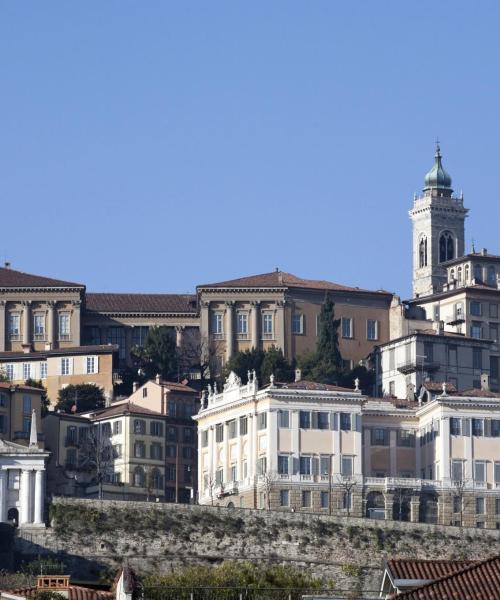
[230, 504]
[401, 506]
[428, 512]
[13, 516]
[375, 505]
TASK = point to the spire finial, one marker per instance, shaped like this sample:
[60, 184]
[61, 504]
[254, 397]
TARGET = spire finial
[438, 149]
[33, 431]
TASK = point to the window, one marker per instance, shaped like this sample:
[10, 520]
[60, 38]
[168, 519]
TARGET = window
[306, 498]
[479, 471]
[9, 372]
[283, 464]
[324, 465]
[345, 421]
[171, 451]
[392, 359]
[284, 419]
[324, 499]
[117, 427]
[91, 364]
[234, 473]
[172, 433]
[139, 450]
[323, 420]
[305, 465]
[422, 252]
[106, 429]
[170, 472]
[139, 478]
[305, 419]
[156, 480]
[494, 332]
[217, 323]
[297, 324]
[267, 325]
[242, 323]
[406, 438]
[219, 432]
[371, 330]
[347, 327]
[428, 352]
[27, 405]
[188, 435]
[476, 330]
[478, 427]
[139, 426]
[455, 426]
[495, 427]
[64, 326]
[145, 392]
[156, 451]
[65, 366]
[243, 425]
[231, 429]
[26, 371]
[477, 358]
[139, 335]
[43, 370]
[156, 428]
[262, 421]
[204, 438]
[3, 399]
[459, 274]
[380, 437]
[492, 277]
[446, 247]
[347, 464]
[188, 452]
[494, 367]
[493, 310]
[14, 325]
[39, 326]
[457, 470]
[479, 506]
[219, 477]
[457, 504]
[262, 465]
[117, 450]
[284, 498]
[347, 501]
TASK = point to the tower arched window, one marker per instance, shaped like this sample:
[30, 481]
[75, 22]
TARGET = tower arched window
[446, 246]
[452, 275]
[422, 252]
[459, 275]
[467, 273]
[492, 278]
[478, 273]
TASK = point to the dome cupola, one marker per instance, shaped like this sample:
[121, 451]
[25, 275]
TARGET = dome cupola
[437, 178]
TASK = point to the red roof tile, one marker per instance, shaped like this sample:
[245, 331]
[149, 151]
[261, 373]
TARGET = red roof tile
[123, 409]
[6, 385]
[425, 569]
[74, 350]
[479, 581]
[286, 280]
[479, 393]
[18, 279]
[141, 303]
[313, 386]
[75, 592]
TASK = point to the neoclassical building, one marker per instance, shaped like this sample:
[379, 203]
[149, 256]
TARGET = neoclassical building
[309, 447]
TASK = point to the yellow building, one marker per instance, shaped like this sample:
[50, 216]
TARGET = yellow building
[17, 403]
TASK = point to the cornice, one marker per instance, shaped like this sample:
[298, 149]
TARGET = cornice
[40, 290]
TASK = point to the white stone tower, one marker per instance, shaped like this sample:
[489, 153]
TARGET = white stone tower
[438, 230]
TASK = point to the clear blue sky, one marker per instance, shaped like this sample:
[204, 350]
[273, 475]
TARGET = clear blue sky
[151, 146]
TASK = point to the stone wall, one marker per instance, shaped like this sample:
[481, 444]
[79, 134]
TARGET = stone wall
[94, 537]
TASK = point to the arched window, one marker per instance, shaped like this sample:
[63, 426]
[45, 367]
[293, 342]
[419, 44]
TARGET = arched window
[478, 273]
[467, 273]
[156, 480]
[422, 252]
[446, 247]
[459, 275]
[139, 477]
[492, 277]
[452, 275]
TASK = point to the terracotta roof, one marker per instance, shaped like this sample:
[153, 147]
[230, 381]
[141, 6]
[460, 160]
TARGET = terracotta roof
[425, 569]
[479, 581]
[98, 349]
[178, 387]
[141, 303]
[286, 280]
[479, 393]
[436, 386]
[17, 279]
[313, 386]
[7, 385]
[75, 592]
[123, 409]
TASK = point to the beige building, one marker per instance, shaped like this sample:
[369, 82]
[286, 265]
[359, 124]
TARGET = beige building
[311, 447]
[280, 309]
[17, 403]
[149, 441]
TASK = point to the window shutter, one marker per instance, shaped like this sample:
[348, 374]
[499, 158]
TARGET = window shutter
[60, 366]
[314, 420]
[71, 366]
[315, 465]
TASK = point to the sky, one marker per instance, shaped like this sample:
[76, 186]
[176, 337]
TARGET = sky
[153, 146]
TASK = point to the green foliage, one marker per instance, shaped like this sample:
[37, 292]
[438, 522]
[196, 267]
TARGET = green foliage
[275, 581]
[159, 356]
[264, 362]
[351, 570]
[3, 376]
[47, 595]
[366, 379]
[44, 399]
[86, 396]
[325, 364]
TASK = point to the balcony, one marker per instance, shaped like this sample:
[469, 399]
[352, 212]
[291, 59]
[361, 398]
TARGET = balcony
[39, 337]
[412, 366]
[456, 320]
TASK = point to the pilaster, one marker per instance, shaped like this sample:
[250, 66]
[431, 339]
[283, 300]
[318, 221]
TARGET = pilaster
[75, 334]
[25, 497]
[255, 323]
[26, 323]
[393, 467]
[51, 329]
[444, 441]
[179, 335]
[229, 329]
[2, 326]
[39, 497]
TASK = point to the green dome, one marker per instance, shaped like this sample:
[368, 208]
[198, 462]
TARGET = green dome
[437, 178]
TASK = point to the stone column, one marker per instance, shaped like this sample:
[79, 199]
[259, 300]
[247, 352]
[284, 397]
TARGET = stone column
[2, 326]
[39, 497]
[468, 451]
[358, 447]
[252, 442]
[25, 497]
[389, 503]
[51, 326]
[229, 329]
[393, 449]
[26, 322]
[255, 324]
[280, 325]
[75, 325]
[418, 456]
[179, 334]
[3, 496]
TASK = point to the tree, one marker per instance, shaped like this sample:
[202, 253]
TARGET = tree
[347, 484]
[268, 480]
[275, 363]
[244, 361]
[3, 375]
[159, 356]
[96, 455]
[264, 362]
[365, 377]
[198, 355]
[325, 364]
[80, 398]
[44, 399]
[464, 500]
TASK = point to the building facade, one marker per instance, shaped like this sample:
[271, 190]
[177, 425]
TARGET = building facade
[17, 403]
[310, 447]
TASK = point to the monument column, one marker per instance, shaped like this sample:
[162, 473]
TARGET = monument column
[39, 497]
[25, 497]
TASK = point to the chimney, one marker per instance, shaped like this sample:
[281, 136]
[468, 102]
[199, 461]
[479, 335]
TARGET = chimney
[53, 583]
[438, 327]
[485, 382]
[6, 264]
[158, 379]
[484, 252]
[135, 386]
[298, 374]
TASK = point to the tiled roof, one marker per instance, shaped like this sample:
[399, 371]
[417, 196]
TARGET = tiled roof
[425, 569]
[123, 409]
[479, 393]
[6, 385]
[76, 350]
[436, 386]
[75, 592]
[141, 303]
[286, 280]
[312, 386]
[178, 387]
[18, 279]
[479, 581]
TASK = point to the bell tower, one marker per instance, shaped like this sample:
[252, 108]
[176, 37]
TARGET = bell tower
[438, 229]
